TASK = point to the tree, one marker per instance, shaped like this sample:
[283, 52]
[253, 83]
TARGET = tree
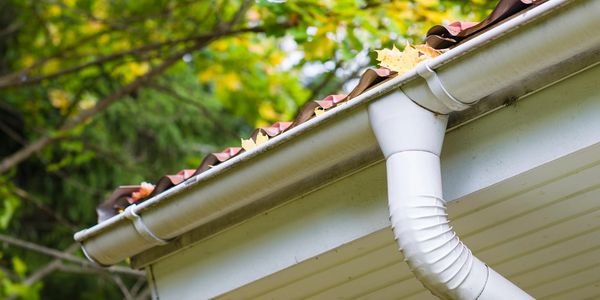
[96, 94]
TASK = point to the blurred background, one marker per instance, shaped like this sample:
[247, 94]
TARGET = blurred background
[98, 93]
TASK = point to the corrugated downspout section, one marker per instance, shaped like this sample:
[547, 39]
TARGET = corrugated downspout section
[411, 139]
[432, 249]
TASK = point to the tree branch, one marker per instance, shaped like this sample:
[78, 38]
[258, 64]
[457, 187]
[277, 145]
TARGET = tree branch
[144, 294]
[17, 75]
[11, 133]
[205, 112]
[119, 282]
[48, 268]
[326, 80]
[66, 256]
[239, 14]
[44, 271]
[25, 152]
[13, 80]
[135, 288]
[39, 204]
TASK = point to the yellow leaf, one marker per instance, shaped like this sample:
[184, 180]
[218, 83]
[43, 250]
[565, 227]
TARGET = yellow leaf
[70, 3]
[54, 32]
[206, 75]
[51, 66]
[426, 51]
[54, 10]
[318, 48]
[28, 60]
[261, 138]
[139, 69]
[402, 61]
[220, 46]
[319, 111]
[261, 123]
[266, 111]
[59, 99]
[396, 60]
[92, 27]
[275, 58]
[250, 144]
[429, 3]
[87, 101]
[100, 9]
[231, 81]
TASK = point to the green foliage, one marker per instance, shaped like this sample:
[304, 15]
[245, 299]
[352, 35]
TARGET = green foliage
[23, 291]
[14, 286]
[9, 202]
[61, 60]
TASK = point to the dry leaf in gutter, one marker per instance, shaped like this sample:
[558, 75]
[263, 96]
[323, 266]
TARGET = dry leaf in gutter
[250, 144]
[403, 61]
[144, 191]
[319, 111]
[427, 52]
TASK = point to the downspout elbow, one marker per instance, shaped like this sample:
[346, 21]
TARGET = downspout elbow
[411, 138]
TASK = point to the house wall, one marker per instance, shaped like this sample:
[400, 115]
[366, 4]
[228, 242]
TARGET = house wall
[549, 136]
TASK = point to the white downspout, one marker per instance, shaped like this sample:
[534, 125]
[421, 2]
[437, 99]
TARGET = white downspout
[411, 137]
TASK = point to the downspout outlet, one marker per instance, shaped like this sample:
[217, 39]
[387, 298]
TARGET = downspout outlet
[411, 138]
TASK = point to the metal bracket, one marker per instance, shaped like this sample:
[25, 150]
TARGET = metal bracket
[437, 88]
[140, 227]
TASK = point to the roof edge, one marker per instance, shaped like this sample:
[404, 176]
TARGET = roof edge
[341, 135]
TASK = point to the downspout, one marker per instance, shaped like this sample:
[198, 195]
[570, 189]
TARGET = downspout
[410, 137]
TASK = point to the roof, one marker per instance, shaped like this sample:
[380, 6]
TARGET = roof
[438, 37]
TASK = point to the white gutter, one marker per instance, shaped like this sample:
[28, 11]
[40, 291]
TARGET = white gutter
[487, 63]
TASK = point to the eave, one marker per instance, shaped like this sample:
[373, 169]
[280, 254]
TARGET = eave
[494, 68]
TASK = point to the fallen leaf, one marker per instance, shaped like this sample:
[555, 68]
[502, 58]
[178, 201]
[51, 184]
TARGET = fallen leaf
[250, 144]
[403, 61]
[145, 190]
[319, 111]
[427, 52]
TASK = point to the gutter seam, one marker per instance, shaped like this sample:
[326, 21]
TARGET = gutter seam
[140, 226]
[436, 86]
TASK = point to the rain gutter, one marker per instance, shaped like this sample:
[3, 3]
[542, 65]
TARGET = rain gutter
[513, 51]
